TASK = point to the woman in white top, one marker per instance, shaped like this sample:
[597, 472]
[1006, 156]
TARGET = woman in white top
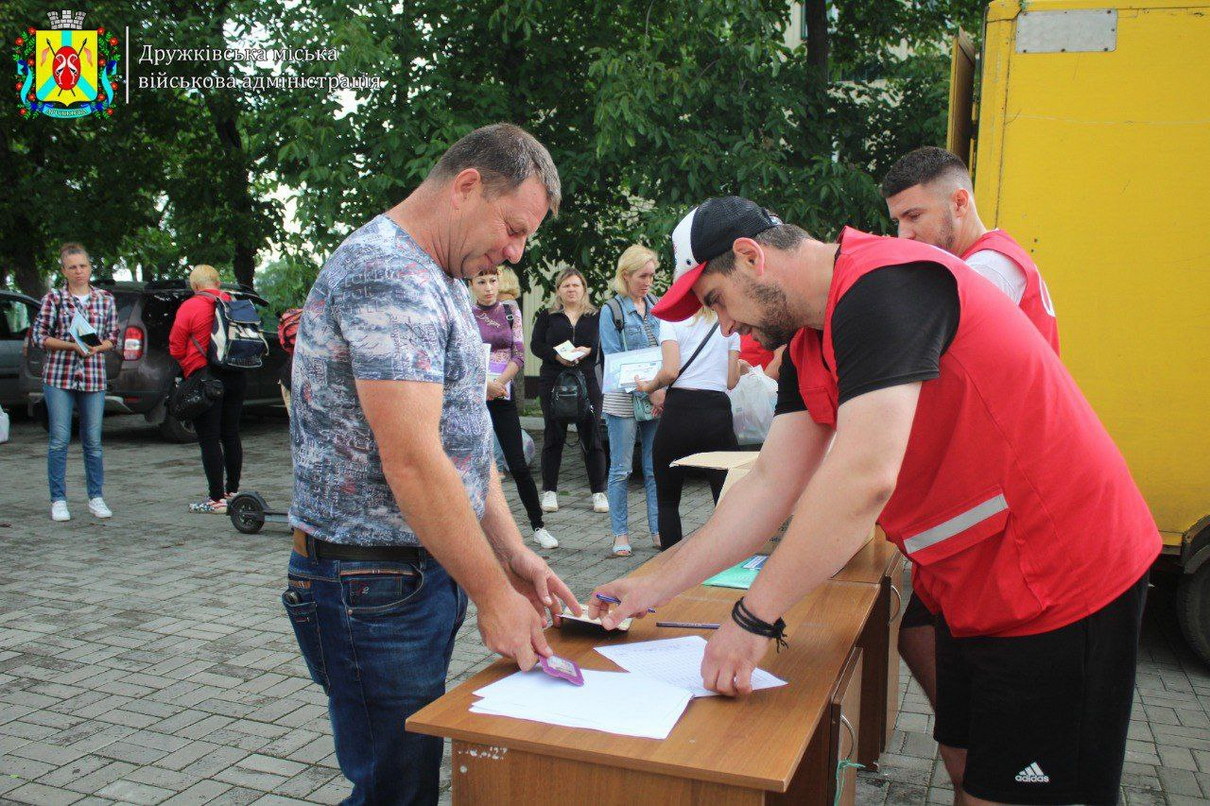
[700, 365]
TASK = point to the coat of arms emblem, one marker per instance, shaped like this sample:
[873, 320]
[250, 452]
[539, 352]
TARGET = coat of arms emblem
[67, 71]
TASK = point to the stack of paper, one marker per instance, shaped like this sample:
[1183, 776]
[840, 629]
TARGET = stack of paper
[676, 662]
[614, 702]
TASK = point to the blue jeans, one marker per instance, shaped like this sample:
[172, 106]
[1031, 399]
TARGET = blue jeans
[59, 406]
[622, 431]
[377, 636]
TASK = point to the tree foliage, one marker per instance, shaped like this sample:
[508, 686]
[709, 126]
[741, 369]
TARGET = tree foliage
[647, 107]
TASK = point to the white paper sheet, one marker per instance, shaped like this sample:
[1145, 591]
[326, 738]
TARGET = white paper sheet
[622, 368]
[614, 702]
[677, 662]
[570, 352]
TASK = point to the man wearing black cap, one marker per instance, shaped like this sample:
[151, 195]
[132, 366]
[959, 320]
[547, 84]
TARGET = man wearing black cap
[953, 425]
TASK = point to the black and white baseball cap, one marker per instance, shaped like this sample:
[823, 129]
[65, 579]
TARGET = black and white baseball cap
[709, 230]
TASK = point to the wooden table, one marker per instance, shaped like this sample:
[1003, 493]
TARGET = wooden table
[880, 564]
[779, 746]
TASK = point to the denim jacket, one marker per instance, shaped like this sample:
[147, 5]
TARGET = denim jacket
[635, 333]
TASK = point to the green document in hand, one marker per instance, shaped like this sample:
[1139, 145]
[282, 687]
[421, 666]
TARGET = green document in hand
[739, 576]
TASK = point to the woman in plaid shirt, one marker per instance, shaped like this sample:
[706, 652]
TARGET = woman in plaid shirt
[73, 376]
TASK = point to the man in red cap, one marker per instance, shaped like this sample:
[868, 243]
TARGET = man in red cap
[931, 199]
[953, 425]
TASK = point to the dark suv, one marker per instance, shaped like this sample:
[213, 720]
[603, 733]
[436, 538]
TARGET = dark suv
[141, 372]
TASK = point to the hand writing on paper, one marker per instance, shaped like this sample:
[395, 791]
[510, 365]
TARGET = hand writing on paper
[731, 656]
[635, 597]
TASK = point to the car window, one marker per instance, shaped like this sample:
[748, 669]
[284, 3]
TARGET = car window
[159, 309]
[14, 320]
[124, 303]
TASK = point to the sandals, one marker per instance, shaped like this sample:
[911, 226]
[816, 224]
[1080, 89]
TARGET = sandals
[209, 507]
[622, 550]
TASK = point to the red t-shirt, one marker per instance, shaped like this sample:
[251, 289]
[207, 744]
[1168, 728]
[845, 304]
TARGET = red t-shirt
[751, 351]
[194, 320]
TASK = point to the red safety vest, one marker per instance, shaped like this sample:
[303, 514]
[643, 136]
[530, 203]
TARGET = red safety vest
[1036, 300]
[1013, 502]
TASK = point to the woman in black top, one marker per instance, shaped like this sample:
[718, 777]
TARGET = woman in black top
[571, 318]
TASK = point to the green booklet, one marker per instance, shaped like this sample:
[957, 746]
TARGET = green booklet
[739, 576]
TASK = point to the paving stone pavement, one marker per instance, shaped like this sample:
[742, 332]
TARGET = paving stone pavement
[146, 660]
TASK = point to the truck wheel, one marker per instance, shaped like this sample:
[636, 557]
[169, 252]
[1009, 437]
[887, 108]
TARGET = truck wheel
[175, 430]
[1193, 610]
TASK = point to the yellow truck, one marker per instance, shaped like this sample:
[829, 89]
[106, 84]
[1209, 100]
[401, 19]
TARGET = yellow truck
[1089, 141]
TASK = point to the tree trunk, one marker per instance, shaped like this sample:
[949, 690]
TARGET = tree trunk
[25, 260]
[815, 13]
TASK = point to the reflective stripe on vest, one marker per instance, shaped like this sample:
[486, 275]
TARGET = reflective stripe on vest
[957, 525]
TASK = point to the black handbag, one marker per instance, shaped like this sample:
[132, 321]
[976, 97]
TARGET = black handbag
[193, 395]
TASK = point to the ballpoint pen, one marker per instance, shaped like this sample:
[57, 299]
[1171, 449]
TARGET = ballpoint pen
[615, 600]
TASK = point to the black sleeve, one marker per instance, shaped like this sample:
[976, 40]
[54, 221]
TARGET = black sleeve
[789, 396]
[537, 339]
[592, 339]
[892, 327]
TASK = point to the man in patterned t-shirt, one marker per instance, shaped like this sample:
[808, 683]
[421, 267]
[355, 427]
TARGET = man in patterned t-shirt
[398, 513]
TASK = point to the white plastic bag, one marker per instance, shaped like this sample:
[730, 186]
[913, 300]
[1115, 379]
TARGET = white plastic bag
[752, 403]
[527, 445]
[3, 425]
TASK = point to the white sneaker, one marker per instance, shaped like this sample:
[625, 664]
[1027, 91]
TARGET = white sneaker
[600, 503]
[545, 539]
[550, 501]
[58, 511]
[98, 508]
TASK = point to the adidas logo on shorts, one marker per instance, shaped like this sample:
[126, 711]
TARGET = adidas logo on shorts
[1033, 775]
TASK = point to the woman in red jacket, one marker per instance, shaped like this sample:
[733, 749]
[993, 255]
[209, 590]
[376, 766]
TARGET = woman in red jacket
[218, 426]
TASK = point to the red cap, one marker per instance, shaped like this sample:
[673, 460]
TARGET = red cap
[709, 230]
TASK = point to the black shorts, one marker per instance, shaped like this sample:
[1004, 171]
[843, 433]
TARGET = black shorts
[1043, 717]
[915, 614]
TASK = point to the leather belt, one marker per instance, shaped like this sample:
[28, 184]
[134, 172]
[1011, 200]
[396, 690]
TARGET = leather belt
[317, 549]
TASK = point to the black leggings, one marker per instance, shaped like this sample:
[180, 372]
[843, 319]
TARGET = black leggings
[507, 425]
[693, 420]
[218, 434]
[555, 436]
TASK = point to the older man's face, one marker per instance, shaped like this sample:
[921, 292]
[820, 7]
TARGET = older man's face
[495, 229]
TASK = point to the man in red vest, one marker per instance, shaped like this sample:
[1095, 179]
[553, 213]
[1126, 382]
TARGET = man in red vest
[954, 426]
[930, 198]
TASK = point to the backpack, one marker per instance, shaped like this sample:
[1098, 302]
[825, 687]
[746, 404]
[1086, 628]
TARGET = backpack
[236, 340]
[569, 401]
[615, 309]
[287, 328]
[615, 313]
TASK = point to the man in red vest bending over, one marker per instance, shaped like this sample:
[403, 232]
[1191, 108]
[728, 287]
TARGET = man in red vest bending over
[930, 198]
[954, 426]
